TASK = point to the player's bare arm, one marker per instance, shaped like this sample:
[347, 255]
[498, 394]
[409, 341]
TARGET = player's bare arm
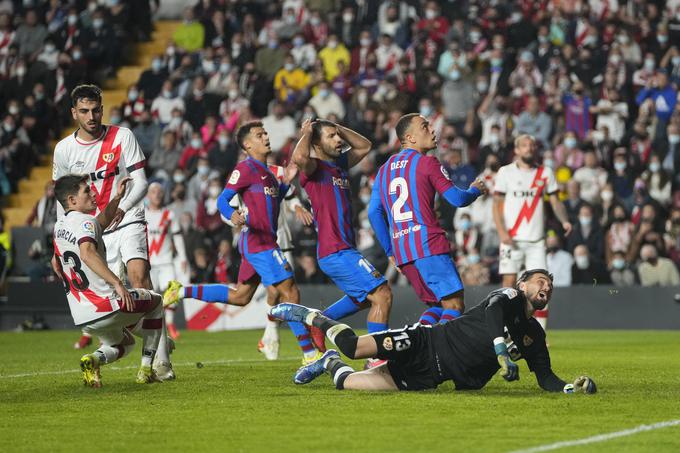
[503, 234]
[302, 152]
[90, 256]
[109, 214]
[360, 145]
[561, 213]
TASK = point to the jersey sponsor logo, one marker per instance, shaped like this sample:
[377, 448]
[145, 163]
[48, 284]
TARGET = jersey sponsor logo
[444, 172]
[524, 193]
[387, 344]
[235, 175]
[88, 227]
[341, 182]
[405, 231]
[398, 164]
[65, 235]
[271, 191]
[104, 174]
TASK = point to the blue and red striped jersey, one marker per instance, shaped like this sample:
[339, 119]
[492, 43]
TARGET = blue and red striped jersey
[406, 186]
[328, 190]
[259, 189]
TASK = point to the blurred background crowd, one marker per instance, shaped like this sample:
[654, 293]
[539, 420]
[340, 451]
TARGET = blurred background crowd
[596, 82]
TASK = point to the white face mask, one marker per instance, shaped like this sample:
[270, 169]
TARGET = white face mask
[365, 42]
[620, 166]
[674, 139]
[431, 14]
[203, 171]
[196, 143]
[214, 191]
[607, 195]
[178, 178]
[654, 167]
[582, 262]
[332, 44]
[13, 109]
[72, 20]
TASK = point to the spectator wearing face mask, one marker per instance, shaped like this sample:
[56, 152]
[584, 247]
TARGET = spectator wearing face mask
[591, 177]
[223, 154]
[560, 262]
[151, 80]
[291, 82]
[670, 150]
[664, 97]
[568, 153]
[190, 35]
[621, 178]
[198, 183]
[620, 272]
[331, 54]
[587, 231]
[30, 35]
[192, 153]
[473, 271]
[326, 102]
[672, 236]
[147, 133]
[588, 270]
[165, 155]
[658, 182]
[180, 205]
[466, 236]
[208, 217]
[163, 105]
[655, 270]
[534, 121]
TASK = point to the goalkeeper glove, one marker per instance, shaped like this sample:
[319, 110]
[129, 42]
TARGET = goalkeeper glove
[582, 384]
[509, 369]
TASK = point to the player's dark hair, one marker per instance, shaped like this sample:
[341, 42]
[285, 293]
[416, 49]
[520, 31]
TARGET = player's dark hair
[89, 92]
[403, 124]
[527, 275]
[244, 130]
[66, 186]
[317, 127]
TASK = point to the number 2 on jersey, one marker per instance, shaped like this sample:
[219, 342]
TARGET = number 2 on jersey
[397, 214]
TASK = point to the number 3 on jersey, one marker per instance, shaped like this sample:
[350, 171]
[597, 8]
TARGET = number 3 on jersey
[81, 283]
[397, 208]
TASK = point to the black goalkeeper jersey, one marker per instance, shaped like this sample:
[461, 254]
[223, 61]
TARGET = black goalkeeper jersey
[463, 349]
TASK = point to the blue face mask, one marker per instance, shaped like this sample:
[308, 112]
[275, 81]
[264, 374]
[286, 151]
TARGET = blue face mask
[465, 224]
[618, 263]
[454, 74]
[570, 142]
[426, 110]
[473, 259]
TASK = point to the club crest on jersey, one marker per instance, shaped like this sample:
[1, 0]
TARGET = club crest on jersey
[235, 175]
[540, 183]
[387, 344]
[527, 340]
[108, 157]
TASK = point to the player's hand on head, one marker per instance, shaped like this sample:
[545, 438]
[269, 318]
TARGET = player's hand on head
[306, 127]
[304, 216]
[238, 219]
[122, 186]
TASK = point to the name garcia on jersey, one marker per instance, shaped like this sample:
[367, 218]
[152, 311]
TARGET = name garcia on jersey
[65, 235]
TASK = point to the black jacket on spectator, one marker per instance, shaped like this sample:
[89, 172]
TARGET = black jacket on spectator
[223, 160]
[594, 241]
[151, 82]
[595, 274]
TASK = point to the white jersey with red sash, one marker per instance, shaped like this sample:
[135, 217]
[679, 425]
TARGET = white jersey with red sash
[523, 210]
[161, 227]
[114, 155]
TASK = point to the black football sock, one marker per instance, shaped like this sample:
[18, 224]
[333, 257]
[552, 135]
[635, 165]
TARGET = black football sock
[339, 371]
[340, 334]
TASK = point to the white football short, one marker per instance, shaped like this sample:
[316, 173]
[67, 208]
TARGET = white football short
[112, 329]
[523, 255]
[161, 274]
[125, 244]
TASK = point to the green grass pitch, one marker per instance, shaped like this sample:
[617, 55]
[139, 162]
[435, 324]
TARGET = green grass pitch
[237, 401]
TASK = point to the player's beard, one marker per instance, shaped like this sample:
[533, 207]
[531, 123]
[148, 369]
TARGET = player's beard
[529, 160]
[537, 304]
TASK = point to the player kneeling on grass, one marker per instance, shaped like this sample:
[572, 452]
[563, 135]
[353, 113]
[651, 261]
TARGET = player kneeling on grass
[468, 350]
[99, 302]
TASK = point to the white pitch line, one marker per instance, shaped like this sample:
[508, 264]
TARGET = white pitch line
[132, 367]
[601, 437]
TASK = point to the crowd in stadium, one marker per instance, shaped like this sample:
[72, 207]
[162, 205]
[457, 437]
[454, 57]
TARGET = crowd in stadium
[596, 82]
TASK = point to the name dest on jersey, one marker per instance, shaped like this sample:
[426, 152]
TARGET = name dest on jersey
[103, 174]
[65, 235]
[405, 231]
[398, 165]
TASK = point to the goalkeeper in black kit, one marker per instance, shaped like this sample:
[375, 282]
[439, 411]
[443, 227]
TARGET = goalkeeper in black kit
[468, 350]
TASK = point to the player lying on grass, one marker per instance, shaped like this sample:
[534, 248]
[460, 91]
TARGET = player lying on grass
[468, 350]
[99, 302]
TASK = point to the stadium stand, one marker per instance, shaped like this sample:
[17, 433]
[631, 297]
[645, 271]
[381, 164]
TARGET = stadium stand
[595, 82]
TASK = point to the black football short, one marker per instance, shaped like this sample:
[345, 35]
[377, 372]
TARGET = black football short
[409, 356]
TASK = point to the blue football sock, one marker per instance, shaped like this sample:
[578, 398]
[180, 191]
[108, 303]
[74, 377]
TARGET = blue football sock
[304, 339]
[449, 315]
[374, 327]
[208, 293]
[341, 309]
[431, 316]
